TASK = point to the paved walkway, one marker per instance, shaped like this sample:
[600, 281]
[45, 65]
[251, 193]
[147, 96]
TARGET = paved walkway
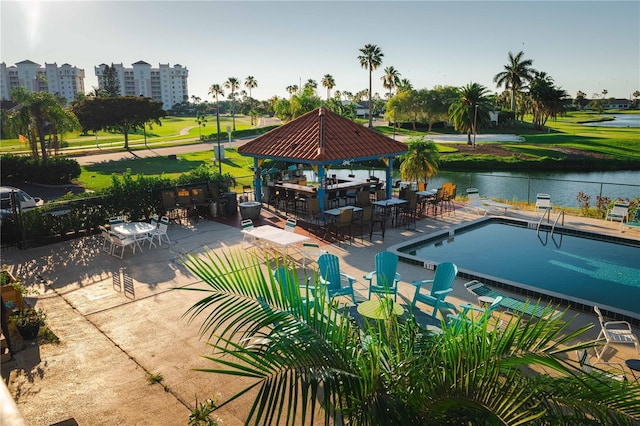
[112, 340]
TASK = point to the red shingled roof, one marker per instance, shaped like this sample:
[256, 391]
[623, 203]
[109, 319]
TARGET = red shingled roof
[342, 139]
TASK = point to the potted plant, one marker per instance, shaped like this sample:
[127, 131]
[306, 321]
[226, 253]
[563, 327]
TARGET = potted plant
[29, 321]
[12, 289]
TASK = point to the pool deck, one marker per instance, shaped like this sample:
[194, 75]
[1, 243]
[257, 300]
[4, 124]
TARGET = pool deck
[111, 340]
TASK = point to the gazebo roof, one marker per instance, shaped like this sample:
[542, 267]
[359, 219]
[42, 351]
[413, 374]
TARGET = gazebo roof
[322, 137]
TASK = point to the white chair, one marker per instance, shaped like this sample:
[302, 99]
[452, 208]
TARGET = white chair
[151, 235]
[615, 332]
[290, 225]
[247, 226]
[119, 241]
[610, 370]
[107, 244]
[543, 203]
[311, 251]
[475, 202]
[619, 212]
[161, 232]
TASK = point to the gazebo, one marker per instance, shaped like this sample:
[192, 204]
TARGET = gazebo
[322, 138]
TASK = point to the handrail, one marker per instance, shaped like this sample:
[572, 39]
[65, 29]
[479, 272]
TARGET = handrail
[546, 212]
[561, 214]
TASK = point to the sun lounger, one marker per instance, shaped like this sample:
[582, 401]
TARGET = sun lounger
[511, 304]
[634, 222]
[483, 204]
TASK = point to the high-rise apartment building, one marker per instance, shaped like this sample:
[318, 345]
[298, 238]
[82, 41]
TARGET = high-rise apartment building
[164, 84]
[64, 80]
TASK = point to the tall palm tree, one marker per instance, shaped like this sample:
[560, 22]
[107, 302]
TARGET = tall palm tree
[311, 83]
[471, 110]
[370, 58]
[232, 84]
[515, 75]
[328, 82]
[250, 83]
[307, 362]
[292, 89]
[421, 160]
[390, 79]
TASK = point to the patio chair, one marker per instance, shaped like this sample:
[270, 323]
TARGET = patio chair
[341, 226]
[384, 280]
[543, 203]
[363, 199]
[331, 277]
[365, 219]
[441, 286]
[170, 204]
[107, 244]
[247, 225]
[609, 370]
[291, 288]
[122, 242]
[615, 332]
[290, 224]
[634, 222]
[465, 317]
[512, 304]
[448, 195]
[161, 232]
[435, 202]
[312, 252]
[619, 212]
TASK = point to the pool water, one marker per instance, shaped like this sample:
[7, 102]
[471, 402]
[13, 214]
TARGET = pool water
[590, 270]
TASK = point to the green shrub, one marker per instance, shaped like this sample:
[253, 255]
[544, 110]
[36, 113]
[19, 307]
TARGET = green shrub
[58, 170]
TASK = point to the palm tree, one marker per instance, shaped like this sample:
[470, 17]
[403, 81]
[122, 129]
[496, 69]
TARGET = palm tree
[292, 89]
[515, 75]
[390, 79]
[34, 112]
[421, 160]
[371, 59]
[328, 82]
[232, 83]
[405, 85]
[303, 364]
[470, 110]
[250, 83]
[311, 83]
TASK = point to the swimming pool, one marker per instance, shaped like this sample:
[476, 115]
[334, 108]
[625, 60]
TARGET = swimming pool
[571, 267]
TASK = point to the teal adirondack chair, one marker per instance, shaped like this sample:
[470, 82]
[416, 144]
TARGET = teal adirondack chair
[331, 277]
[385, 276]
[440, 287]
[291, 289]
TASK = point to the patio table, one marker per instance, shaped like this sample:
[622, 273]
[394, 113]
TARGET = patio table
[390, 204]
[276, 236]
[136, 230]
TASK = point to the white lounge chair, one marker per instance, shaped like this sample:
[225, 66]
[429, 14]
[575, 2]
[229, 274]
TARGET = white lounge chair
[610, 370]
[615, 332]
[475, 203]
[543, 203]
[634, 222]
[482, 202]
[619, 212]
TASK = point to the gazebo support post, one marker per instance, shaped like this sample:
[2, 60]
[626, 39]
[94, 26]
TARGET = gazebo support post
[257, 182]
[321, 187]
[389, 177]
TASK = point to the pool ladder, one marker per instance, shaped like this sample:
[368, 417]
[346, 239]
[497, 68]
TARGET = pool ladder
[553, 228]
[548, 214]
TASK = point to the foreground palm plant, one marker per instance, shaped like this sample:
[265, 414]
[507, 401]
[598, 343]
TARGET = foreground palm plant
[311, 361]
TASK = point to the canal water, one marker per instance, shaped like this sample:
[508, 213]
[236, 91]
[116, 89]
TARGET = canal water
[522, 186]
[619, 120]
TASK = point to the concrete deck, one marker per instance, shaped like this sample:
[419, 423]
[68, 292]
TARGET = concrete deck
[111, 340]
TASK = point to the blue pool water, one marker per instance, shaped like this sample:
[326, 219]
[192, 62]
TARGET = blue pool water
[583, 269]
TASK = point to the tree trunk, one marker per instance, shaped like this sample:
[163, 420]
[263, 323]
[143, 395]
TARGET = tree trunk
[125, 131]
[370, 101]
[469, 137]
[43, 144]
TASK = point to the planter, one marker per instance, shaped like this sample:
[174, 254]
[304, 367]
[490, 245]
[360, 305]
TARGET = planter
[10, 293]
[29, 332]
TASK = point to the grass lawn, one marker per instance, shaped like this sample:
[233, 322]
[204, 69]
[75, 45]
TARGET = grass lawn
[170, 130]
[99, 176]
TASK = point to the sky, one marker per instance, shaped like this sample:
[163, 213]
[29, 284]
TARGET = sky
[587, 46]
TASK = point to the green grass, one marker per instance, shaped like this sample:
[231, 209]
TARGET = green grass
[99, 176]
[168, 131]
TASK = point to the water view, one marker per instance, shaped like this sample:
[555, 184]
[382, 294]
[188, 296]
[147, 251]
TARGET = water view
[523, 186]
[620, 120]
